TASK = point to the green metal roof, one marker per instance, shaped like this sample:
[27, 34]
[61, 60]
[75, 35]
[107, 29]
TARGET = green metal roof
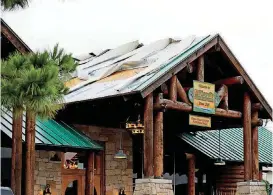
[207, 142]
[51, 133]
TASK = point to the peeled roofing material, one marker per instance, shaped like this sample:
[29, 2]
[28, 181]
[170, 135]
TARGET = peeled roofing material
[149, 61]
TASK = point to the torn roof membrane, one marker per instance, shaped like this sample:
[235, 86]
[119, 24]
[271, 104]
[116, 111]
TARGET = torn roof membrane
[125, 69]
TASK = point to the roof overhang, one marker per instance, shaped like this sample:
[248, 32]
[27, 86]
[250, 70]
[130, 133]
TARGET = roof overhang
[215, 41]
[17, 42]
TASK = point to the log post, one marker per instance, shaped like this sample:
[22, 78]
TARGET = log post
[98, 164]
[182, 93]
[191, 174]
[30, 152]
[158, 143]
[148, 137]
[255, 152]
[89, 174]
[173, 88]
[200, 69]
[16, 154]
[247, 137]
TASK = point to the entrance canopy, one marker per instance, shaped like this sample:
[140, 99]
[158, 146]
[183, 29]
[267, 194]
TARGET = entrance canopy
[231, 141]
[51, 133]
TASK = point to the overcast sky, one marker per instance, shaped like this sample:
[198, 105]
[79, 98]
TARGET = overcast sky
[81, 26]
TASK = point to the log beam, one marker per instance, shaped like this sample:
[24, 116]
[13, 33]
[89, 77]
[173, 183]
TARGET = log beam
[148, 137]
[158, 143]
[247, 137]
[256, 122]
[200, 69]
[256, 107]
[182, 93]
[230, 81]
[180, 106]
[173, 88]
[191, 174]
[254, 147]
[223, 94]
[164, 89]
[89, 174]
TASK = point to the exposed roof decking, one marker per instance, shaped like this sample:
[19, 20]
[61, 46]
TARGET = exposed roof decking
[154, 59]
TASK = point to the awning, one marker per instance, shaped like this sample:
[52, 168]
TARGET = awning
[52, 133]
[232, 148]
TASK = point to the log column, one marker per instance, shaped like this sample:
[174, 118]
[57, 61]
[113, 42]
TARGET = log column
[191, 173]
[30, 152]
[158, 143]
[89, 174]
[148, 137]
[16, 157]
[255, 152]
[247, 137]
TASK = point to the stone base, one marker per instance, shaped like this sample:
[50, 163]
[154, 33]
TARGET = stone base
[251, 188]
[153, 187]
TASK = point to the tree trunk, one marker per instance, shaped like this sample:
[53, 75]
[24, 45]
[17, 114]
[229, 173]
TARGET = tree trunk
[30, 152]
[16, 154]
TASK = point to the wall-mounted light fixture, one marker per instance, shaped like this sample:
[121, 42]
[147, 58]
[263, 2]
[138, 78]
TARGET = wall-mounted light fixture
[120, 154]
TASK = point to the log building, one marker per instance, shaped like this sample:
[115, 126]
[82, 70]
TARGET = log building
[151, 87]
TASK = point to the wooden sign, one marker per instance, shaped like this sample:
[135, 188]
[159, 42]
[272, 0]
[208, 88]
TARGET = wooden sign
[203, 97]
[199, 121]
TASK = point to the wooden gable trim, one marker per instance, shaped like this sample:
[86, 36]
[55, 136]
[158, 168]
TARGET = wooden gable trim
[246, 77]
[179, 67]
[217, 41]
[16, 41]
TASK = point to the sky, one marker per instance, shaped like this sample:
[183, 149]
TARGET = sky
[82, 26]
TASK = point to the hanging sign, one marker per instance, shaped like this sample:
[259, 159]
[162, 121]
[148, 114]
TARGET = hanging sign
[199, 121]
[203, 97]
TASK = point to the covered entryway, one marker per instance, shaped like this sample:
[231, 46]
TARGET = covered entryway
[52, 141]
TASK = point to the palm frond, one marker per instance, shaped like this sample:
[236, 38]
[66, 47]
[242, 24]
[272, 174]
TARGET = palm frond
[14, 4]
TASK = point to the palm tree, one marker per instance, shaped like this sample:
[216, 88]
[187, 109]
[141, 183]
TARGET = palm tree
[14, 4]
[43, 90]
[11, 100]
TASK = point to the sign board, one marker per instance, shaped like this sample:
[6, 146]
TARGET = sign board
[203, 97]
[199, 121]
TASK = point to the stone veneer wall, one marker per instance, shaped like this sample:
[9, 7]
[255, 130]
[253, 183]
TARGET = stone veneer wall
[118, 172]
[47, 172]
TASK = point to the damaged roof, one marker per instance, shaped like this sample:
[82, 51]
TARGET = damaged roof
[129, 68]
[133, 68]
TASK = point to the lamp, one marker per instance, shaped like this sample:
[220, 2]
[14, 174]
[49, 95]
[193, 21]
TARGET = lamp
[120, 154]
[136, 127]
[219, 161]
